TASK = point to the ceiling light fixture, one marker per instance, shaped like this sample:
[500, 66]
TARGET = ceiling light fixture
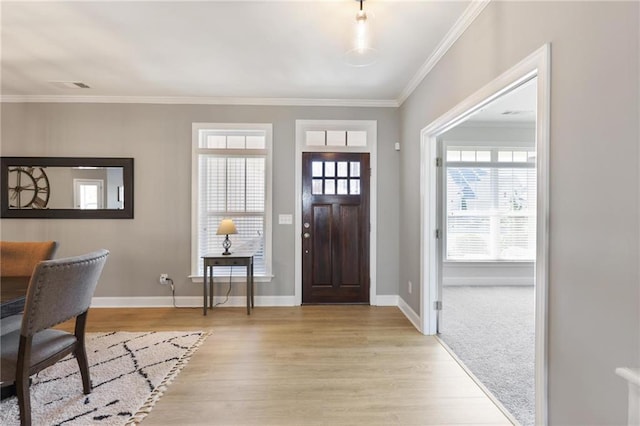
[362, 54]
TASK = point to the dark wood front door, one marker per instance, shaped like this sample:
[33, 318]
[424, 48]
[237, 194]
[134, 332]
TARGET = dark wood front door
[335, 227]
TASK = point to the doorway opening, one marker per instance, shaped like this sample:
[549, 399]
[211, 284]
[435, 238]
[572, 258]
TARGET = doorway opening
[487, 249]
[488, 238]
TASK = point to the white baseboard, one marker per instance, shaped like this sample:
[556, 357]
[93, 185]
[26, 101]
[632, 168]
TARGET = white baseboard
[386, 300]
[486, 281]
[409, 313]
[196, 301]
[187, 301]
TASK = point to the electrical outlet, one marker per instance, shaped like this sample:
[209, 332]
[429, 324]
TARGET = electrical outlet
[164, 279]
[410, 285]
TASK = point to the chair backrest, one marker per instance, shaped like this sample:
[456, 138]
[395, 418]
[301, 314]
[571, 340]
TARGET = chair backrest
[60, 290]
[19, 259]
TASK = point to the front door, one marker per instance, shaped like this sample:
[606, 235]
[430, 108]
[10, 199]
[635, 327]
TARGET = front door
[335, 227]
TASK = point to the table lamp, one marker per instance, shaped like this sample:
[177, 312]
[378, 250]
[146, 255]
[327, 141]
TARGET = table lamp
[226, 227]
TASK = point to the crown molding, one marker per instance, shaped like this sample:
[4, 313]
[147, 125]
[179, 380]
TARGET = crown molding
[179, 100]
[470, 14]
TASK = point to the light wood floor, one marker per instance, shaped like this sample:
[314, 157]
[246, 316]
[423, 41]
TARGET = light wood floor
[311, 365]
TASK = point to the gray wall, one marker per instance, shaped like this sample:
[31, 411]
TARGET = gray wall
[158, 137]
[594, 285]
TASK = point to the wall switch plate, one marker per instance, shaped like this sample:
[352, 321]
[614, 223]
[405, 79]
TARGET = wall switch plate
[397, 146]
[285, 219]
[410, 287]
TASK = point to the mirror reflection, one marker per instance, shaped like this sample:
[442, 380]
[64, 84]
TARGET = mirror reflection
[66, 187]
[80, 187]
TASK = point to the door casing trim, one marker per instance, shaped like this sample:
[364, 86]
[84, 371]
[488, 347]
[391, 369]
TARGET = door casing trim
[370, 126]
[537, 64]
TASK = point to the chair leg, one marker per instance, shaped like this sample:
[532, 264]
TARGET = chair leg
[81, 353]
[22, 380]
[24, 400]
[81, 356]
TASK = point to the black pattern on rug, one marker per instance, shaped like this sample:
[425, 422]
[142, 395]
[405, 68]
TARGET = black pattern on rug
[126, 371]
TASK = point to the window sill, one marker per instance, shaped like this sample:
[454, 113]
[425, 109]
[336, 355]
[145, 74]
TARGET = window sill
[489, 262]
[198, 279]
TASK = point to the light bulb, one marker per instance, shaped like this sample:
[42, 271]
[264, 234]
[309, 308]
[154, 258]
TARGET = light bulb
[361, 31]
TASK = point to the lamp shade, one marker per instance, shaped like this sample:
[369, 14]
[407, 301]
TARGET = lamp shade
[226, 227]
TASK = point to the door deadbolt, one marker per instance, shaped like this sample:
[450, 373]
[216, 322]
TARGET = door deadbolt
[306, 225]
[306, 235]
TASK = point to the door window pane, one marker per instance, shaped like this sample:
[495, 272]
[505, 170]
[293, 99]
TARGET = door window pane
[329, 169]
[355, 169]
[329, 186]
[354, 187]
[342, 187]
[316, 186]
[316, 169]
[343, 170]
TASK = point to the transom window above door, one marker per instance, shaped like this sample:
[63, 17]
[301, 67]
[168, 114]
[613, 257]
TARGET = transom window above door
[335, 177]
[351, 138]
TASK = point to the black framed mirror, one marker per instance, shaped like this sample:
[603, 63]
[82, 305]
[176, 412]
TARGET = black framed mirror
[66, 187]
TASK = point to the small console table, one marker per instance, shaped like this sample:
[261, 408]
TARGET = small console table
[234, 259]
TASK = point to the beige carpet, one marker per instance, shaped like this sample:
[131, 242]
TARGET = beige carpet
[491, 330]
[129, 373]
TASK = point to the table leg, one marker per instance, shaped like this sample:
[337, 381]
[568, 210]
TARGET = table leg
[248, 290]
[253, 289]
[210, 288]
[204, 291]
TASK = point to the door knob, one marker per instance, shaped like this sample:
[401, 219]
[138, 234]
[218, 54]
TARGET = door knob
[306, 235]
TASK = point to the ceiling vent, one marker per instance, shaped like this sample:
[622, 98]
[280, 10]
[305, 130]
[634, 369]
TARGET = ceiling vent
[70, 84]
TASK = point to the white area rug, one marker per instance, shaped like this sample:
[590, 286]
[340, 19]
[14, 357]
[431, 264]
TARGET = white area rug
[129, 373]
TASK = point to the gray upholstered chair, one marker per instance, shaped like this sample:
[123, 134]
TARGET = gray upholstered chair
[59, 290]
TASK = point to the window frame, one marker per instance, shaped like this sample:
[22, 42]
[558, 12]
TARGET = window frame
[494, 165]
[197, 128]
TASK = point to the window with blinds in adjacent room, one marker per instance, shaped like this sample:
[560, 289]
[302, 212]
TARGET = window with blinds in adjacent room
[490, 204]
[232, 180]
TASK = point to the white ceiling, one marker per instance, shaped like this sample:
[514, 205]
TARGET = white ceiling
[220, 49]
[516, 106]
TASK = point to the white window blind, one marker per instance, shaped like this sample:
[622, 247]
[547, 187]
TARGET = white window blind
[232, 166]
[490, 205]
